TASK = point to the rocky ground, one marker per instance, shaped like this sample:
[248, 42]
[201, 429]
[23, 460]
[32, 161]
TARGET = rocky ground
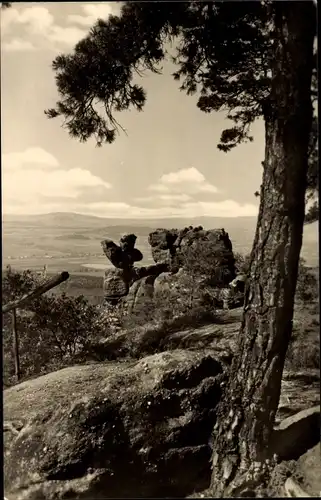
[141, 427]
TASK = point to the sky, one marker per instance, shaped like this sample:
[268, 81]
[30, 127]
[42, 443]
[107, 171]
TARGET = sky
[167, 165]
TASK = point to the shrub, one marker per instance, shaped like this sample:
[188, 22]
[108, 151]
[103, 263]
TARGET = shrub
[55, 331]
[172, 308]
[242, 263]
[304, 351]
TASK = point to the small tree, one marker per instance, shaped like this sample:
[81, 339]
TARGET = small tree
[55, 330]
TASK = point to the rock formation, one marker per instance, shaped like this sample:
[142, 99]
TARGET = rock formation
[114, 430]
[169, 250]
[143, 428]
[118, 281]
[171, 245]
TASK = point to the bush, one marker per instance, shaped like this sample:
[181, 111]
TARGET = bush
[304, 349]
[55, 331]
[242, 263]
[183, 298]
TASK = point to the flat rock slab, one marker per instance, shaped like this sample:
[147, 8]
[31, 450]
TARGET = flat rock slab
[309, 468]
[299, 391]
[125, 429]
[296, 434]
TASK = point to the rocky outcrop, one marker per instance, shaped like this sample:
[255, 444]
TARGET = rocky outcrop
[116, 284]
[112, 430]
[296, 434]
[172, 246]
[118, 281]
[124, 255]
[309, 466]
[170, 250]
[140, 294]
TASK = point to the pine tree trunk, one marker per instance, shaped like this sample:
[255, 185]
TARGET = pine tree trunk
[246, 415]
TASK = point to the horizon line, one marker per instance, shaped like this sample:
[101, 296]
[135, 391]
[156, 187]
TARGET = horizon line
[130, 217]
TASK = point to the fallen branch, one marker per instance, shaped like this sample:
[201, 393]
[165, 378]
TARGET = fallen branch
[36, 293]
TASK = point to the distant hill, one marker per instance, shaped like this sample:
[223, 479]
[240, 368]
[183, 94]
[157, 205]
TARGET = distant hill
[62, 219]
[75, 220]
[55, 234]
[73, 236]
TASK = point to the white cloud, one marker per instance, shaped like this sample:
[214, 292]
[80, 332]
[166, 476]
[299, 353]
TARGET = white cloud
[93, 11]
[226, 208]
[187, 180]
[41, 30]
[32, 176]
[17, 45]
[175, 197]
[165, 198]
[66, 36]
[37, 20]
[33, 156]
[34, 182]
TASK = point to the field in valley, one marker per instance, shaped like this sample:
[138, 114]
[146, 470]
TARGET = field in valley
[71, 242]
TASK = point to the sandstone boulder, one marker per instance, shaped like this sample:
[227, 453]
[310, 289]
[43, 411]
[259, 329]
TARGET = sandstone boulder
[170, 250]
[122, 256]
[115, 284]
[309, 465]
[172, 246]
[130, 429]
[296, 434]
[140, 294]
[179, 285]
[127, 242]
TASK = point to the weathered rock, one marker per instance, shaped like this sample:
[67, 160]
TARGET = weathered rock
[163, 238]
[131, 429]
[127, 242]
[115, 284]
[140, 294]
[219, 340]
[300, 390]
[118, 281]
[238, 284]
[124, 256]
[179, 286]
[161, 255]
[309, 466]
[169, 249]
[296, 434]
[292, 489]
[172, 245]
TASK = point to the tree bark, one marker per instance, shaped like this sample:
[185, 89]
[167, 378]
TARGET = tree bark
[247, 413]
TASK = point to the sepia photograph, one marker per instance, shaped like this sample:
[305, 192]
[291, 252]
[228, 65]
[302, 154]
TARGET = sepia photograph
[160, 249]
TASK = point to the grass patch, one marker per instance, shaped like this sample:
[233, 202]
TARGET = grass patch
[304, 349]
